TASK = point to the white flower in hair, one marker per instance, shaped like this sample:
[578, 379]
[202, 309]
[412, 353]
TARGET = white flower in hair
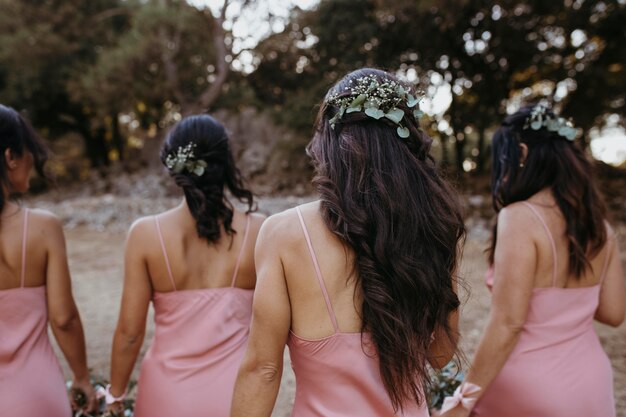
[183, 159]
[377, 99]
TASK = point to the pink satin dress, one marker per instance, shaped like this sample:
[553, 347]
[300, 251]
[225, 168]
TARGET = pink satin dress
[338, 375]
[31, 381]
[558, 367]
[199, 341]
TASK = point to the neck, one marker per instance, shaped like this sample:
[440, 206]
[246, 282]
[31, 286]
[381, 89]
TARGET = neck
[543, 197]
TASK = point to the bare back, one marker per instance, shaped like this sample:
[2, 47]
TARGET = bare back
[29, 234]
[552, 267]
[172, 243]
[310, 317]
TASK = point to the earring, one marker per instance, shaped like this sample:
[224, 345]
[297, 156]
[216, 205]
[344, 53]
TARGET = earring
[521, 165]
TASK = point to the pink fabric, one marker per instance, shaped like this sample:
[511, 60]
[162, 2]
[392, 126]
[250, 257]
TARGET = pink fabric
[558, 367]
[31, 381]
[338, 376]
[199, 341]
[464, 395]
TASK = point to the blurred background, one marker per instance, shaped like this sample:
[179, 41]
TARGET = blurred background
[103, 80]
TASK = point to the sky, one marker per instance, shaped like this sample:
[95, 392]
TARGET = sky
[608, 145]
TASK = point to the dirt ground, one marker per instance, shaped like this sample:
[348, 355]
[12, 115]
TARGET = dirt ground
[96, 264]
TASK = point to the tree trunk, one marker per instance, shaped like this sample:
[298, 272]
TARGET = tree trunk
[116, 136]
[96, 148]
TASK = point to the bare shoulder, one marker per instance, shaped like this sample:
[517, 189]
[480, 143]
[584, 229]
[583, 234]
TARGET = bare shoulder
[47, 223]
[610, 232]
[142, 228]
[256, 220]
[516, 217]
[281, 229]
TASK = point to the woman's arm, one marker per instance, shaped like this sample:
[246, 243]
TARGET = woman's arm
[131, 325]
[612, 295]
[514, 265]
[62, 312]
[260, 373]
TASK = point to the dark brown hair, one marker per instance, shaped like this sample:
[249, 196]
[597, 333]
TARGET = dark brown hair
[556, 163]
[18, 135]
[205, 194]
[383, 196]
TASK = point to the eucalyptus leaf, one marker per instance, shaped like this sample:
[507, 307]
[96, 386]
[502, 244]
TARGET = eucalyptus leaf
[198, 170]
[360, 99]
[369, 103]
[395, 115]
[570, 134]
[178, 167]
[374, 113]
[353, 109]
[417, 113]
[552, 125]
[403, 132]
[412, 101]
[535, 124]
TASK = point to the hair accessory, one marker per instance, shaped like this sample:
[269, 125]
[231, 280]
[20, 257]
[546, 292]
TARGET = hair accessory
[108, 397]
[183, 159]
[377, 99]
[460, 397]
[540, 117]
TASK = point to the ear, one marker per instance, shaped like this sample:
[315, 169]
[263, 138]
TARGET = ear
[524, 153]
[9, 159]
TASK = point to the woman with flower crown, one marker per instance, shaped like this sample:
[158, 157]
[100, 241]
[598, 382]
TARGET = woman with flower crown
[195, 263]
[555, 267]
[35, 289]
[360, 285]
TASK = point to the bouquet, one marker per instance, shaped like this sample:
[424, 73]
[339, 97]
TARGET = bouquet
[99, 385]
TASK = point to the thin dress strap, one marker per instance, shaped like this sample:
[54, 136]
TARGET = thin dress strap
[243, 247]
[167, 260]
[24, 235]
[318, 272]
[545, 226]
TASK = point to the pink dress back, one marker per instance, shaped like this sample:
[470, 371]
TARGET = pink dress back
[31, 381]
[558, 367]
[199, 341]
[338, 376]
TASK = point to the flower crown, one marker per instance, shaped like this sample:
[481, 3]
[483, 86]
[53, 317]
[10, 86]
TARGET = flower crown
[541, 117]
[183, 159]
[376, 98]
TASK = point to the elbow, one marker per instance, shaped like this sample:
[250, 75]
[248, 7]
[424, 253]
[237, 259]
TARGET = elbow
[66, 322]
[614, 321]
[265, 371]
[612, 318]
[129, 337]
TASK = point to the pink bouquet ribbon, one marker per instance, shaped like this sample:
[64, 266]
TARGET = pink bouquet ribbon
[460, 396]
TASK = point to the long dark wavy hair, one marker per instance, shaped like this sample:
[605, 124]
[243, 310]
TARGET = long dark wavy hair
[556, 163]
[19, 136]
[382, 195]
[205, 194]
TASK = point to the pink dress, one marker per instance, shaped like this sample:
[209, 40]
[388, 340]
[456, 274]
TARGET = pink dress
[334, 376]
[31, 381]
[558, 367]
[199, 341]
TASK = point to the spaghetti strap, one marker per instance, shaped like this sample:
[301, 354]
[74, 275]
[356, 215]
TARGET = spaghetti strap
[243, 247]
[167, 260]
[545, 226]
[24, 235]
[318, 272]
